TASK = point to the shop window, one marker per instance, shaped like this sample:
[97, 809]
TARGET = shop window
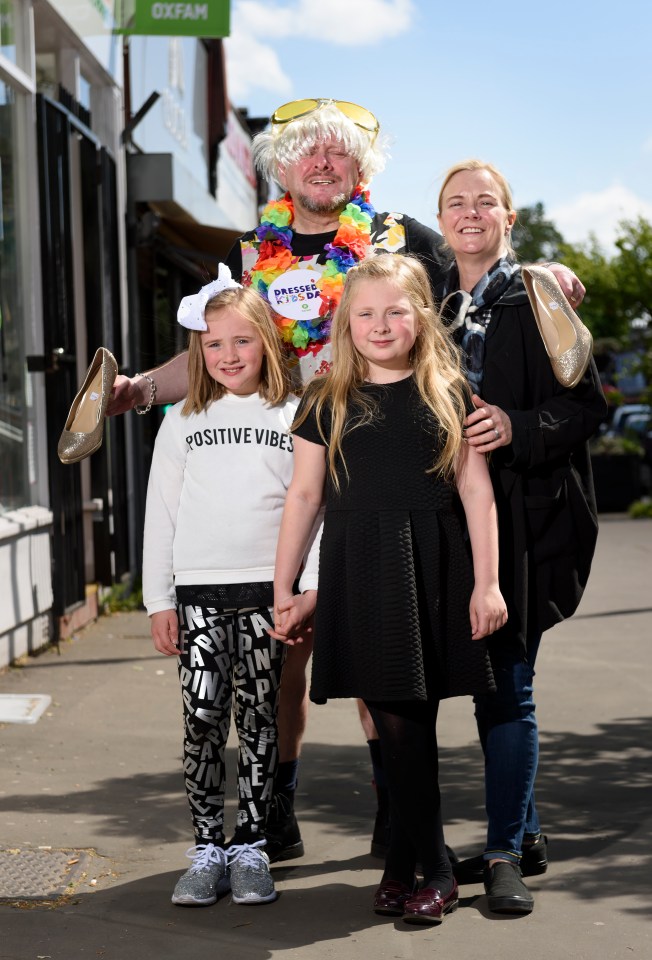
[8, 30]
[84, 92]
[46, 74]
[13, 484]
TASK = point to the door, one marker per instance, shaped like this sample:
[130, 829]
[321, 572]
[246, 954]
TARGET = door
[81, 311]
[60, 360]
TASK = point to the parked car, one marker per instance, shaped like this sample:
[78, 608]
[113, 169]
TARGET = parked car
[621, 456]
[630, 417]
[639, 425]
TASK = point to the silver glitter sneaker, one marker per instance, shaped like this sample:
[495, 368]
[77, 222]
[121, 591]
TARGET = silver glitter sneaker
[251, 881]
[207, 878]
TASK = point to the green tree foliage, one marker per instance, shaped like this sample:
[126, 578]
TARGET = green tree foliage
[618, 289]
[633, 266]
[617, 307]
[602, 308]
[534, 237]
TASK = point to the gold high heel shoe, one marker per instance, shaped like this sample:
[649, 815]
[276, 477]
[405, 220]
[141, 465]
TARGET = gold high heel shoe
[567, 341]
[84, 429]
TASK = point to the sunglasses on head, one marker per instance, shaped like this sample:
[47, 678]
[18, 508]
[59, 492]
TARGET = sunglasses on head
[302, 108]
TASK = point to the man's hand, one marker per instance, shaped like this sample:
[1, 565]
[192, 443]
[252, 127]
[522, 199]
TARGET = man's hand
[126, 394]
[571, 286]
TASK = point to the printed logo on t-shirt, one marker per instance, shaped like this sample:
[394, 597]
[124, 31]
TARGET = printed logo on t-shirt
[295, 295]
[222, 436]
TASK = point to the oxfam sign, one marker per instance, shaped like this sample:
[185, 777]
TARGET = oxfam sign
[160, 18]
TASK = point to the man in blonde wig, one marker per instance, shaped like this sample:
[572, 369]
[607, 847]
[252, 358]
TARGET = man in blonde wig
[323, 153]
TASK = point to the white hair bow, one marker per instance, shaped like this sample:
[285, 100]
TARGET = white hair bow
[191, 309]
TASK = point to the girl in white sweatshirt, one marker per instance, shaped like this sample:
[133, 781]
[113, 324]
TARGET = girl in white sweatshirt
[220, 471]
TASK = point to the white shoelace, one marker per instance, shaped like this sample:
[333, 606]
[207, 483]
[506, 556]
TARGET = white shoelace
[247, 853]
[204, 855]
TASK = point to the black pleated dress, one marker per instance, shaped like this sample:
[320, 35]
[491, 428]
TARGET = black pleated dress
[395, 577]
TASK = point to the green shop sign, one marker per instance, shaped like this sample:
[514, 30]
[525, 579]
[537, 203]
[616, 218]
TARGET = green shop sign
[160, 18]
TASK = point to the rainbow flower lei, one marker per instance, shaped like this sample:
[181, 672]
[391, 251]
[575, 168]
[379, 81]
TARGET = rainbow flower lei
[349, 245]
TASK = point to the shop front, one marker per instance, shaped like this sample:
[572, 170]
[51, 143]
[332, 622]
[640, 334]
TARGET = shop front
[125, 176]
[62, 530]
[25, 517]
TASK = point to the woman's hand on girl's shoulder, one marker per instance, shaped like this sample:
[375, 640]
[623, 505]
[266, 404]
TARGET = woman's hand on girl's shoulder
[488, 611]
[488, 427]
[165, 632]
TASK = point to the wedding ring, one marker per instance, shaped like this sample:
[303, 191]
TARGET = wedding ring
[497, 432]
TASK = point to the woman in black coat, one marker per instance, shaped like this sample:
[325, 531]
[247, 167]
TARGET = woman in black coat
[535, 431]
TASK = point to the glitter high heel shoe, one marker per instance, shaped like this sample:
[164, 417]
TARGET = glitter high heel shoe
[84, 429]
[567, 341]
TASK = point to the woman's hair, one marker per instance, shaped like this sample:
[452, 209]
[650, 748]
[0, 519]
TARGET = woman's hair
[504, 189]
[274, 380]
[434, 359]
[284, 144]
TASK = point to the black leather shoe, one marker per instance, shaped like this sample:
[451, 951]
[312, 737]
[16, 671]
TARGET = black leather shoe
[535, 857]
[506, 892]
[282, 832]
[533, 862]
[470, 870]
[427, 906]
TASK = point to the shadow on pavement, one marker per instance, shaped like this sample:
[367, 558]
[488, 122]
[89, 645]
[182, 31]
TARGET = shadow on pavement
[136, 920]
[594, 791]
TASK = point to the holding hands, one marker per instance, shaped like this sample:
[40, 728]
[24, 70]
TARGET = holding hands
[293, 617]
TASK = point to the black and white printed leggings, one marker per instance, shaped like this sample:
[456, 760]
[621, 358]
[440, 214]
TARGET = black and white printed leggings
[228, 658]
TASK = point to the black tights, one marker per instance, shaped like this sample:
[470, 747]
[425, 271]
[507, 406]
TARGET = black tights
[408, 742]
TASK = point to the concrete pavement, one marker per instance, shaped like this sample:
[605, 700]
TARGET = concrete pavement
[100, 773]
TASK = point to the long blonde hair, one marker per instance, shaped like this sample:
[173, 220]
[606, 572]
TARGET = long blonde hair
[434, 359]
[274, 381]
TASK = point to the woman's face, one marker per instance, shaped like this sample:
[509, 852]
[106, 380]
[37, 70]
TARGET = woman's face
[474, 220]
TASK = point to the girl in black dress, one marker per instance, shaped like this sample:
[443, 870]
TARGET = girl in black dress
[401, 611]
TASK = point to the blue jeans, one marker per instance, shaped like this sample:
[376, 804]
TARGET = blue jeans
[509, 736]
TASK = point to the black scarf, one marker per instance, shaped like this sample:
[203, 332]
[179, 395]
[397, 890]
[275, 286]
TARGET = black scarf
[467, 315]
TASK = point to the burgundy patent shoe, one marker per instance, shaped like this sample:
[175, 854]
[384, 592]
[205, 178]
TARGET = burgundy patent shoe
[428, 905]
[390, 898]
